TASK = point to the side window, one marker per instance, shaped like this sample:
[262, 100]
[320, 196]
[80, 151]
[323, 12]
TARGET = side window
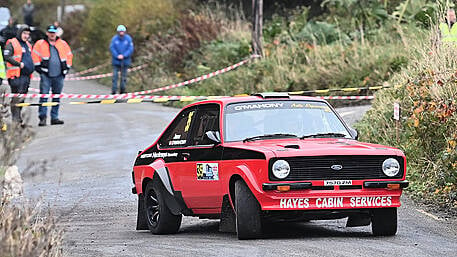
[207, 120]
[177, 133]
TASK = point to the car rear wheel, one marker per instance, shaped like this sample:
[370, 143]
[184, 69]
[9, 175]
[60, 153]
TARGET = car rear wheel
[384, 222]
[248, 221]
[159, 218]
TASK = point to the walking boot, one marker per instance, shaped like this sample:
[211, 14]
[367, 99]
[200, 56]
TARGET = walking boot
[42, 122]
[56, 122]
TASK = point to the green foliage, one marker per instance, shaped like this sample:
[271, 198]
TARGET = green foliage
[422, 12]
[142, 19]
[218, 53]
[321, 33]
[355, 13]
[427, 131]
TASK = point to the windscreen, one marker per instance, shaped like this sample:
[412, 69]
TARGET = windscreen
[299, 118]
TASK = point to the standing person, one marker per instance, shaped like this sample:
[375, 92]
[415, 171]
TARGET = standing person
[4, 101]
[121, 48]
[59, 32]
[53, 59]
[19, 69]
[448, 29]
[27, 11]
[9, 31]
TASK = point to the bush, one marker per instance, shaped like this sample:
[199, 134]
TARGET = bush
[428, 123]
[142, 19]
[25, 229]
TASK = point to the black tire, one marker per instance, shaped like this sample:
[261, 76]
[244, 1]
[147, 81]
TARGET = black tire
[247, 209]
[384, 222]
[159, 218]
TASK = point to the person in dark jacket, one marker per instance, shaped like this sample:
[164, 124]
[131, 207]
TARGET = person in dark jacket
[8, 32]
[27, 11]
[121, 48]
[19, 69]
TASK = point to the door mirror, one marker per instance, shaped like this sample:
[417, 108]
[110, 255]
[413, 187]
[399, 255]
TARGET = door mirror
[214, 136]
[354, 133]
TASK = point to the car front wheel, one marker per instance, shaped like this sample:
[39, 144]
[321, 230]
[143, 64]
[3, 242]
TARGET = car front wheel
[248, 220]
[384, 222]
[159, 218]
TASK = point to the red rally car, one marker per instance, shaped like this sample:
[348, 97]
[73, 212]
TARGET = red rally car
[271, 156]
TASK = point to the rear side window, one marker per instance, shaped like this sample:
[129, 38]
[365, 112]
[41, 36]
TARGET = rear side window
[177, 135]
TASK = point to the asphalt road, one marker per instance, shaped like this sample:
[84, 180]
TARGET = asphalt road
[88, 184]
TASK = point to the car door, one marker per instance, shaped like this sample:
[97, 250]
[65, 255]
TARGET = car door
[198, 174]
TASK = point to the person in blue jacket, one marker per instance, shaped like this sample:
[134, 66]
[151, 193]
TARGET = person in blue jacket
[121, 48]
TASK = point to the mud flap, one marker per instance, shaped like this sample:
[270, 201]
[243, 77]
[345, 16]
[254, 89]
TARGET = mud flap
[228, 219]
[358, 221]
[141, 223]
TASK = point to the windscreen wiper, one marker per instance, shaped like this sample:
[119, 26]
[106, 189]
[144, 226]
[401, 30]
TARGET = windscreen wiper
[323, 135]
[268, 136]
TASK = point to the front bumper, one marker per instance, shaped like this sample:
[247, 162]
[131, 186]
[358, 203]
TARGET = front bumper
[303, 196]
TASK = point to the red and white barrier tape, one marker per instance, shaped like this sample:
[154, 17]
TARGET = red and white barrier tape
[96, 76]
[133, 96]
[197, 79]
[78, 96]
[180, 84]
[88, 70]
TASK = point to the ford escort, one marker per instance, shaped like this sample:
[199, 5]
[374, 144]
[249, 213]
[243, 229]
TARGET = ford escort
[271, 156]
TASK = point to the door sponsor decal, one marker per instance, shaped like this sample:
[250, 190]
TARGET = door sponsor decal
[189, 120]
[158, 155]
[335, 202]
[207, 171]
[177, 142]
[337, 182]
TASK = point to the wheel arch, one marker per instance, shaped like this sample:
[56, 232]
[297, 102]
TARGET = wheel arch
[155, 170]
[244, 173]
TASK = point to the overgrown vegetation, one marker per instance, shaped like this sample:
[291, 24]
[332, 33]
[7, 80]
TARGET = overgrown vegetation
[26, 228]
[28, 231]
[428, 127]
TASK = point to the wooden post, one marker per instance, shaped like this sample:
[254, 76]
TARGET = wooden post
[257, 17]
[62, 10]
[397, 120]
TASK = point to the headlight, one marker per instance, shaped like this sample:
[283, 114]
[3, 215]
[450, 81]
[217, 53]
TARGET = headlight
[390, 167]
[281, 169]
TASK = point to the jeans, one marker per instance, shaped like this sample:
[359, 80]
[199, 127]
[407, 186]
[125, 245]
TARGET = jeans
[123, 70]
[18, 85]
[56, 86]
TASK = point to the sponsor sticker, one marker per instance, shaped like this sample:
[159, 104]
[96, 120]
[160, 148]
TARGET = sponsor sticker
[335, 202]
[158, 155]
[207, 171]
[189, 120]
[258, 106]
[337, 182]
[310, 106]
[177, 142]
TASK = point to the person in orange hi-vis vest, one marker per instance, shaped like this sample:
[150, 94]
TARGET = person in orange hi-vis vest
[19, 69]
[53, 59]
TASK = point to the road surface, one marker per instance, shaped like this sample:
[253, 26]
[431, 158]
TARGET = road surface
[88, 184]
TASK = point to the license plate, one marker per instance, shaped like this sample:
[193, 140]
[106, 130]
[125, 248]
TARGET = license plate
[337, 182]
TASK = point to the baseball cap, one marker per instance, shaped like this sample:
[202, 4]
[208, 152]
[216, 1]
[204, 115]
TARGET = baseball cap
[121, 28]
[52, 29]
